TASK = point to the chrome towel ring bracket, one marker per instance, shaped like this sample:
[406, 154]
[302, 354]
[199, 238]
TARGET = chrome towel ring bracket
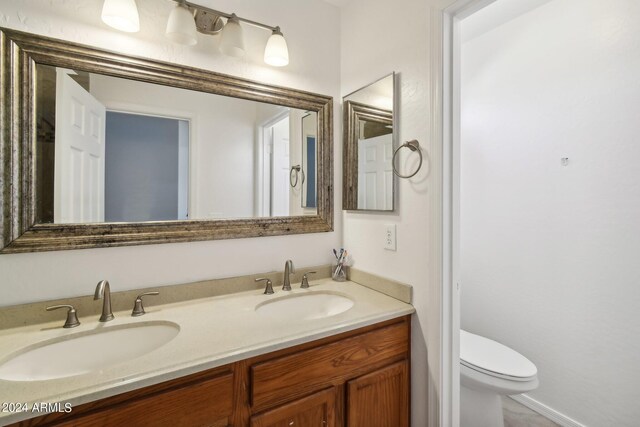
[412, 145]
[298, 170]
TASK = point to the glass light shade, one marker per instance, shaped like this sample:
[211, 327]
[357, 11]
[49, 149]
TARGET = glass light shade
[181, 27]
[121, 15]
[276, 52]
[232, 38]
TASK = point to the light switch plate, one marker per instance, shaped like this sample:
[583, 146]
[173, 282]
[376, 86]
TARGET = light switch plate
[390, 237]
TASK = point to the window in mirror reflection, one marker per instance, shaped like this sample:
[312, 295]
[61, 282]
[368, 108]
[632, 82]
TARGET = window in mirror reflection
[117, 150]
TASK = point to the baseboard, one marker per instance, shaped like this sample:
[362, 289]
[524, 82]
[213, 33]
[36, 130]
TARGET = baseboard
[546, 411]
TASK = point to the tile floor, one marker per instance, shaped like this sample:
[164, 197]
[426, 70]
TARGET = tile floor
[518, 415]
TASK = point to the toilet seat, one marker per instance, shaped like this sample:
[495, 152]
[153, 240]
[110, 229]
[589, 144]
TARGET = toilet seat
[492, 358]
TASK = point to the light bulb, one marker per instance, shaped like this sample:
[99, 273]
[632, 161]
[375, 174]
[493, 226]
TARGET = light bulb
[181, 27]
[121, 15]
[276, 52]
[231, 38]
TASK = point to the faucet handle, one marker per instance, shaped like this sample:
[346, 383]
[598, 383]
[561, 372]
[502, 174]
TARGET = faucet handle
[138, 308]
[269, 289]
[72, 317]
[305, 280]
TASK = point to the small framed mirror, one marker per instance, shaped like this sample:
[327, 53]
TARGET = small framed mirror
[369, 143]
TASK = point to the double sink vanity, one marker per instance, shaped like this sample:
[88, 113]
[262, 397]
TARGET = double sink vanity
[224, 352]
[330, 354]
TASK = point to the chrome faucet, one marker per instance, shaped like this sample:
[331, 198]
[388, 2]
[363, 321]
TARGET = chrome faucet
[104, 291]
[288, 269]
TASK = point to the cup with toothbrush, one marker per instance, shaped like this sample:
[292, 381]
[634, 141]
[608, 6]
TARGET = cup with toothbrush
[338, 271]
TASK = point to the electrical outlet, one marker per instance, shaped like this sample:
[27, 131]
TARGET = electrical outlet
[390, 237]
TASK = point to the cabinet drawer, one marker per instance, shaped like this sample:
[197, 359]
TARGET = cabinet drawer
[279, 380]
[205, 403]
[317, 410]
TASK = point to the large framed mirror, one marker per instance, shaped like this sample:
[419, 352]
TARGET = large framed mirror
[102, 149]
[369, 143]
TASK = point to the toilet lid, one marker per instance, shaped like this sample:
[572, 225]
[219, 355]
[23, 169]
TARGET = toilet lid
[489, 356]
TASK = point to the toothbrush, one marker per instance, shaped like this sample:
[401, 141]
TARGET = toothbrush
[341, 260]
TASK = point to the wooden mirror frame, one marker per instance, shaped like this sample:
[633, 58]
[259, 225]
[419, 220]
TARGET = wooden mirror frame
[353, 113]
[19, 54]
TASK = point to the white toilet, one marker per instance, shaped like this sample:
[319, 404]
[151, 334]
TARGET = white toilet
[488, 370]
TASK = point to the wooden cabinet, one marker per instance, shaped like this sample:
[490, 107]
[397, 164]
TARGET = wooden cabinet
[379, 399]
[202, 399]
[205, 403]
[367, 369]
[355, 379]
[284, 378]
[317, 410]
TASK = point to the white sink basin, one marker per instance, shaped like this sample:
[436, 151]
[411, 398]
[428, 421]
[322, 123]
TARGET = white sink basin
[305, 306]
[85, 352]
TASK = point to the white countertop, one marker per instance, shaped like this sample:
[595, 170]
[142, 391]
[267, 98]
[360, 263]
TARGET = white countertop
[213, 332]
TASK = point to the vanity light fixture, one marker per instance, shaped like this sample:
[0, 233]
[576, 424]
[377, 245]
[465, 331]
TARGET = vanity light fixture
[276, 52]
[209, 21]
[181, 27]
[232, 38]
[187, 18]
[121, 15]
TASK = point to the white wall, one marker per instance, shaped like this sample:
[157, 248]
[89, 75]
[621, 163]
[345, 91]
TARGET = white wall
[42, 276]
[550, 252]
[222, 145]
[377, 94]
[379, 37]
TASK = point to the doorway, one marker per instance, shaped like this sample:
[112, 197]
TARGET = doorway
[273, 179]
[549, 183]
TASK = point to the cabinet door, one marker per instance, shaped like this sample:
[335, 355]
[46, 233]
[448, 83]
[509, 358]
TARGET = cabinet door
[203, 404]
[380, 399]
[317, 410]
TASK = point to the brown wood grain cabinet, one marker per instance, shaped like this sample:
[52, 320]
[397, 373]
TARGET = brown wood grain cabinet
[319, 410]
[354, 379]
[379, 399]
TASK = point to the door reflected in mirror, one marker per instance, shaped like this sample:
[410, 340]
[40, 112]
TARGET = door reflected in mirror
[115, 150]
[369, 144]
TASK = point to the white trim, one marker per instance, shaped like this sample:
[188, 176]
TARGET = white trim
[546, 411]
[450, 333]
[450, 316]
[464, 8]
[183, 169]
[439, 383]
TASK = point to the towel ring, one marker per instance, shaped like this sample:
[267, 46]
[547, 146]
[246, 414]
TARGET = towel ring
[297, 170]
[412, 145]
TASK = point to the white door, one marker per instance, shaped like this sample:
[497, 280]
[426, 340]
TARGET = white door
[375, 173]
[280, 169]
[79, 153]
